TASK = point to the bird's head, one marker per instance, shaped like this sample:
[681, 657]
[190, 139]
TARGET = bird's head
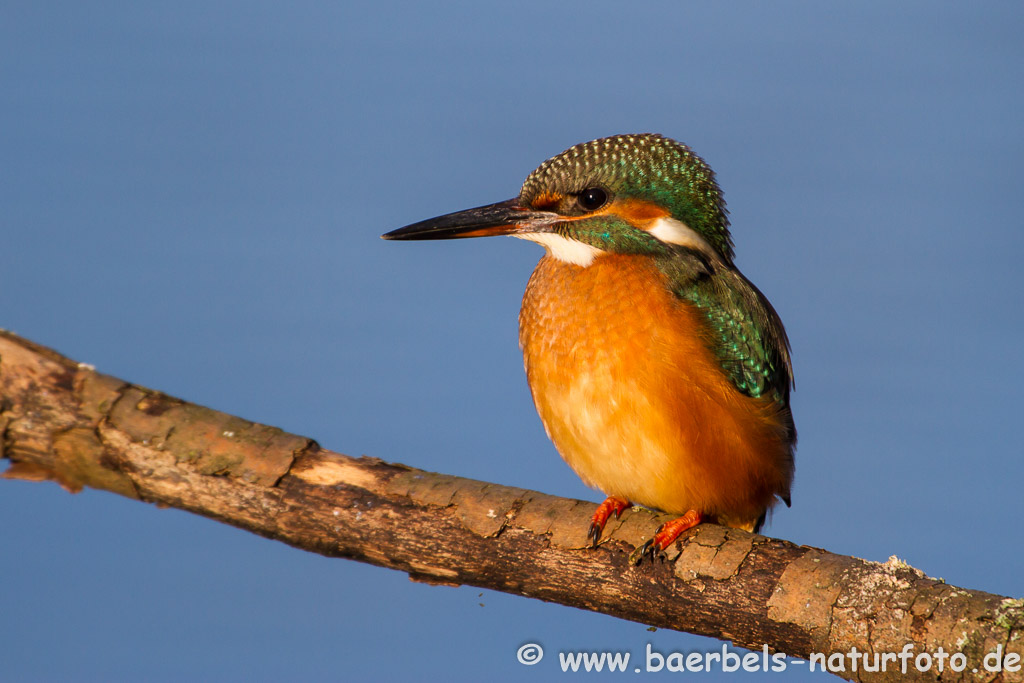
[627, 194]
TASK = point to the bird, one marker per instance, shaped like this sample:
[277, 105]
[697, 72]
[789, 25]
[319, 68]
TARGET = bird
[660, 372]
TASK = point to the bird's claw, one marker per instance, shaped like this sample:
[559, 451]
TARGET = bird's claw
[649, 550]
[665, 536]
[611, 506]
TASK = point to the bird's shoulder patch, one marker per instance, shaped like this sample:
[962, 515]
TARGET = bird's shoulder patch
[745, 332]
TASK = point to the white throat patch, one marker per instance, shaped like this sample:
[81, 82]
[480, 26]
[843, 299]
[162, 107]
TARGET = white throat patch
[563, 248]
[671, 231]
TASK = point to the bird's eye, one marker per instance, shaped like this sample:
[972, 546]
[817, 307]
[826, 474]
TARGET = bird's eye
[592, 199]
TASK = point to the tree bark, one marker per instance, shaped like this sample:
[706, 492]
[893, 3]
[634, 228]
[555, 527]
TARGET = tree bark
[61, 420]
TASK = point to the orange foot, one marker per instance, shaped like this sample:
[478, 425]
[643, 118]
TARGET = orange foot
[665, 536]
[611, 506]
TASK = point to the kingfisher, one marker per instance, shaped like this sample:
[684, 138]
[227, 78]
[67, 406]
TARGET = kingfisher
[662, 375]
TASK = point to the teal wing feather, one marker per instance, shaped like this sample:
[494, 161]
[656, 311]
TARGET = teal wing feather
[746, 333]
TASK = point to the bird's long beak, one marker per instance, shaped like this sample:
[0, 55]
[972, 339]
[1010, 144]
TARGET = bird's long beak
[503, 218]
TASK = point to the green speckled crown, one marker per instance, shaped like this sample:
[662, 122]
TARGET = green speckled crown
[644, 166]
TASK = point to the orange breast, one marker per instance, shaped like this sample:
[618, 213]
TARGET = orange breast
[635, 401]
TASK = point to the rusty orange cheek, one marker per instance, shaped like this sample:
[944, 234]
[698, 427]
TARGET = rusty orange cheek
[637, 211]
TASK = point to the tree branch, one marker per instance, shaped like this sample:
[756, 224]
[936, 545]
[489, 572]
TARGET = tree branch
[62, 420]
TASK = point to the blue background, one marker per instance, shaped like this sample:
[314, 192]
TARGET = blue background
[191, 196]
